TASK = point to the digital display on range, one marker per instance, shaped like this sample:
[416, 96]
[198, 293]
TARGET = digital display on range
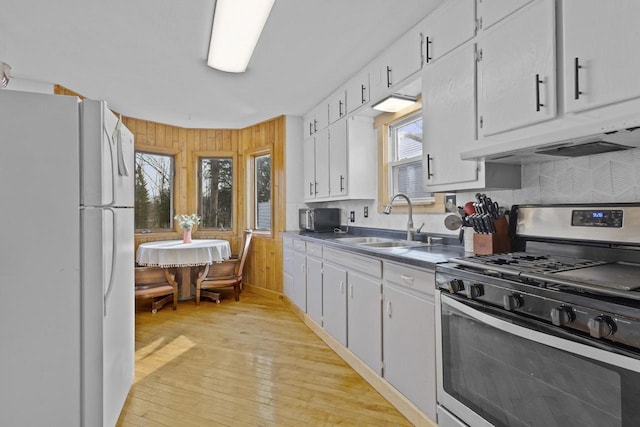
[597, 218]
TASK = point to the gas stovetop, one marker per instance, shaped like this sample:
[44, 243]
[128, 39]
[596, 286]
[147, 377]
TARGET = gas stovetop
[523, 262]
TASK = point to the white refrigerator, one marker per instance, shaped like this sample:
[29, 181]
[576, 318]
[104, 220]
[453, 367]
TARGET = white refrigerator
[66, 261]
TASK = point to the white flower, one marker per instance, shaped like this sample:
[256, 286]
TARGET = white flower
[187, 221]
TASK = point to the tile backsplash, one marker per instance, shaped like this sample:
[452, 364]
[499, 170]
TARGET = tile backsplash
[609, 177]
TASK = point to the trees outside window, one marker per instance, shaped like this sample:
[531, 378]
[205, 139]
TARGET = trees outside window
[216, 192]
[262, 185]
[153, 191]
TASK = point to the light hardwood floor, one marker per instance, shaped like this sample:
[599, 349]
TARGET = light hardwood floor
[246, 363]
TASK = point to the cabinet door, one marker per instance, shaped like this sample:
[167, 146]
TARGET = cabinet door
[334, 301]
[308, 122]
[404, 57]
[288, 268]
[314, 289]
[364, 323]
[601, 39]
[309, 154]
[300, 280]
[358, 91]
[449, 118]
[492, 11]
[288, 286]
[409, 347]
[321, 116]
[338, 158]
[337, 105]
[517, 71]
[448, 27]
[322, 164]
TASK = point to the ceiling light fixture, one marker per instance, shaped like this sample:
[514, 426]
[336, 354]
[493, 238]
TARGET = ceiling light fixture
[4, 70]
[394, 103]
[237, 25]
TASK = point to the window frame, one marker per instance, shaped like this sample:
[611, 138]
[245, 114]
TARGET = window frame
[202, 155]
[251, 203]
[382, 122]
[172, 155]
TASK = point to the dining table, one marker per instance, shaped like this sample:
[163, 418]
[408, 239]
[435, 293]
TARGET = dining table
[183, 256]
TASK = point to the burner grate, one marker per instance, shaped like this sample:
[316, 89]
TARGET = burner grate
[521, 262]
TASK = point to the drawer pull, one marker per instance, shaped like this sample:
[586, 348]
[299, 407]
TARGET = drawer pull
[389, 309]
[409, 279]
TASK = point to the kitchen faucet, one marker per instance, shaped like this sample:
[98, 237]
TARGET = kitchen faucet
[387, 210]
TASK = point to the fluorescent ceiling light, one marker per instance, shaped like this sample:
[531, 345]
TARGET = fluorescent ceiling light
[237, 25]
[394, 103]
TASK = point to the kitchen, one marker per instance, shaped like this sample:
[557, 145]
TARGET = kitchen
[585, 179]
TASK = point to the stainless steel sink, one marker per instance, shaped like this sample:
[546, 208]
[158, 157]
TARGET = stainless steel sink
[363, 240]
[393, 244]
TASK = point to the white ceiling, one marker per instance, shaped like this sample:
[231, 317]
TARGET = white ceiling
[147, 58]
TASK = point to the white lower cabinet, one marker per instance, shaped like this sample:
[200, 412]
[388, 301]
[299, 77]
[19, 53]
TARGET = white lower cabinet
[364, 328]
[287, 268]
[314, 282]
[299, 276]
[408, 330]
[334, 301]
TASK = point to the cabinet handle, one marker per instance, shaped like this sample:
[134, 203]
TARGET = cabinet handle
[407, 278]
[316, 187]
[341, 286]
[576, 70]
[310, 128]
[341, 183]
[538, 81]
[422, 61]
[351, 291]
[362, 89]
[429, 174]
[311, 188]
[315, 125]
[389, 309]
[340, 108]
[388, 76]
[428, 43]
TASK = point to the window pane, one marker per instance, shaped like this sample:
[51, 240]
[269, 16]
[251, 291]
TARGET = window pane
[216, 192]
[153, 191]
[409, 180]
[263, 192]
[409, 140]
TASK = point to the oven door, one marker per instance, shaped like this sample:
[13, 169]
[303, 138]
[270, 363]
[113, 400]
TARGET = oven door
[500, 369]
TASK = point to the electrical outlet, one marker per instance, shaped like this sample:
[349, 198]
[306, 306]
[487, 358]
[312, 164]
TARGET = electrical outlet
[366, 211]
[352, 216]
[450, 202]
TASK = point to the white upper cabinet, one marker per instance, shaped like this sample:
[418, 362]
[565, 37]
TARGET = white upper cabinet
[399, 61]
[492, 11]
[358, 90]
[517, 70]
[309, 154]
[449, 26]
[338, 154]
[337, 105]
[600, 52]
[449, 118]
[316, 119]
[316, 166]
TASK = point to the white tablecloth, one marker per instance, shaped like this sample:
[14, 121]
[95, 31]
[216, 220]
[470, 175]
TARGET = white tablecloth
[174, 253]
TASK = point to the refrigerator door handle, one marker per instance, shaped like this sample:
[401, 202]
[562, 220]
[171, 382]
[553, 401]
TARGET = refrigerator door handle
[117, 135]
[113, 175]
[112, 274]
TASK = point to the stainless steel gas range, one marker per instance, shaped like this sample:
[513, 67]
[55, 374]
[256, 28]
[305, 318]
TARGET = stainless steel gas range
[548, 335]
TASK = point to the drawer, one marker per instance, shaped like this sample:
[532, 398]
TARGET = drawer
[410, 277]
[298, 245]
[369, 266]
[314, 249]
[287, 242]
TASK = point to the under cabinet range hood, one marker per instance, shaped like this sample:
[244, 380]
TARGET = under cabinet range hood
[570, 136]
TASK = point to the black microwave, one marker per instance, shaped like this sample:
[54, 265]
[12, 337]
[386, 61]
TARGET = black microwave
[319, 219]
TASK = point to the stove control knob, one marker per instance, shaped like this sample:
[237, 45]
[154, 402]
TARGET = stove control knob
[456, 285]
[511, 302]
[475, 291]
[562, 315]
[601, 326]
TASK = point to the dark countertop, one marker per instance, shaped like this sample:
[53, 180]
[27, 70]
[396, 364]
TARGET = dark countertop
[423, 256]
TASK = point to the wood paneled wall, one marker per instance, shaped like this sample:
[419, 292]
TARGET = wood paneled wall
[264, 265]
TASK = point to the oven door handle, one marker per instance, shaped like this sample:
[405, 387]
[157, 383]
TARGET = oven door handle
[545, 339]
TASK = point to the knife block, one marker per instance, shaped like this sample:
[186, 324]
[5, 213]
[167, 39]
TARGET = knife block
[499, 242]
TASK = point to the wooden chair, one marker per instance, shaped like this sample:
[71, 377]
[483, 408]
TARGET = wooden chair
[223, 274]
[158, 284]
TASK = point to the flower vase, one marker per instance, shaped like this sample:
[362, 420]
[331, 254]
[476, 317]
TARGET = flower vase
[186, 235]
